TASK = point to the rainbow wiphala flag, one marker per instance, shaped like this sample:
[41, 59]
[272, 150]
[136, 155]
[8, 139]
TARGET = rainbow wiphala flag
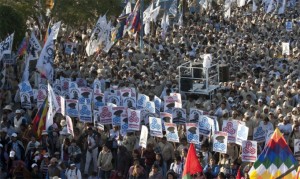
[275, 159]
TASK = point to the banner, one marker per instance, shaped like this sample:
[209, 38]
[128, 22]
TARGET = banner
[179, 115]
[74, 91]
[143, 137]
[259, 134]
[72, 107]
[141, 101]
[285, 48]
[41, 96]
[64, 82]
[69, 125]
[169, 104]
[220, 142]
[81, 82]
[145, 114]
[173, 8]
[195, 115]
[227, 9]
[249, 151]
[134, 119]
[204, 125]
[45, 61]
[126, 92]
[155, 127]
[230, 127]
[117, 112]
[269, 134]
[124, 123]
[172, 133]
[85, 112]
[105, 115]
[157, 102]
[97, 122]
[242, 134]
[129, 102]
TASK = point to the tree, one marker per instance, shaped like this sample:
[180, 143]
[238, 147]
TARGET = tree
[11, 21]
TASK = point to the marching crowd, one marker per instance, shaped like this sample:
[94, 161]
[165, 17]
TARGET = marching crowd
[263, 90]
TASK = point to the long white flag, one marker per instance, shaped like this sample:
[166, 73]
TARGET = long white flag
[128, 7]
[282, 8]
[53, 107]
[173, 8]
[45, 61]
[70, 128]
[34, 47]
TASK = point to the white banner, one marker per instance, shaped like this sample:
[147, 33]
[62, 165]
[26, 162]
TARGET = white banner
[6, 45]
[85, 112]
[143, 137]
[129, 102]
[249, 151]
[62, 105]
[72, 107]
[179, 115]
[117, 112]
[259, 134]
[141, 101]
[105, 115]
[157, 102]
[34, 47]
[155, 127]
[53, 107]
[195, 114]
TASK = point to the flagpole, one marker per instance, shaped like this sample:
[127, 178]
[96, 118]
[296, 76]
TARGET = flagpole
[142, 25]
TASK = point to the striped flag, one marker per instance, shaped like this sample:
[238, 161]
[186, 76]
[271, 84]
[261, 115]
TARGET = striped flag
[39, 121]
[23, 47]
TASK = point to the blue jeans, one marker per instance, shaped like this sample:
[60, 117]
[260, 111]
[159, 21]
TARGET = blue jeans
[104, 174]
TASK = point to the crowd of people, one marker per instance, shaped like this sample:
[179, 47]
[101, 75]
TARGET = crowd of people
[263, 90]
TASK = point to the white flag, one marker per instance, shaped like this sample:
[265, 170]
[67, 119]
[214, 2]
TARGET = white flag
[143, 137]
[147, 13]
[180, 20]
[33, 47]
[173, 8]
[204, 4]
[53, 107]
[282, 8]
[128, 8]
[45, 61]
[164, 24]
[6, 45]
[69, 125]
[285, 48]
[157, 3]
[241, 3]
[94, 41]
[154, 14]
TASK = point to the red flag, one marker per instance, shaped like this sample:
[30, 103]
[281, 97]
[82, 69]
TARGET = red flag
[239, 176]
[192, 165]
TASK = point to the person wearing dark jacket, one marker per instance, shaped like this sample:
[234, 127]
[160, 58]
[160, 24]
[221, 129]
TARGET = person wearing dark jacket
[35, 173]
[123, 161]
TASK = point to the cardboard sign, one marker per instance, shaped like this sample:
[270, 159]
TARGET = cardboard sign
[141, 101]
[98, 100]
[150, 106]
[85, 112]
[114, 99]
[172, 133]
[72, 107]
[259, 134]
[192, 133]
[204, 125]
[105, 115]
[242, 134]
[195, 115]
[143, 137]
[231, 128]
[117, 112]
[134, 119]
[179, 115]
[289, 26]
[166, 118]
[155, 127]
[157, 102]
[249, 151]
[129, 102]
[220, 142]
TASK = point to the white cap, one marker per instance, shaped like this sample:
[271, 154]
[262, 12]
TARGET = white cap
[12, 153]
[34, 165]
[14, 135]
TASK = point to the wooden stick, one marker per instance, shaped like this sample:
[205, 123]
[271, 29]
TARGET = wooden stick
[288, 171]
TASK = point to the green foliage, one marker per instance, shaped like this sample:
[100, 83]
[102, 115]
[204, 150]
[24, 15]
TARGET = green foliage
[82, 12]
[11, 20]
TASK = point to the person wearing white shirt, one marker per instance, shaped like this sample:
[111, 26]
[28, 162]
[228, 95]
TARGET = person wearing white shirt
[73, 172]
[266, 125]
[285, 127]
